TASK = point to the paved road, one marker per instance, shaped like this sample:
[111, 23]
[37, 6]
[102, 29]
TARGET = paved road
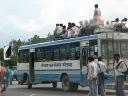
[42, 90]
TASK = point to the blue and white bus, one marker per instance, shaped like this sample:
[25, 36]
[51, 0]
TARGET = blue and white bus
[65, 60]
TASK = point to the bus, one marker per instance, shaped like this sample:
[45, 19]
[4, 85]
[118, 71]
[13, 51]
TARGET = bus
[66, 61]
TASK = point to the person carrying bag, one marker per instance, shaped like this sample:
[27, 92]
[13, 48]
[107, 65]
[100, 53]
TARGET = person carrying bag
[102, 75]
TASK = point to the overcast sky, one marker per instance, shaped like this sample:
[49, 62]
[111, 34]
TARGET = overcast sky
[22, 19]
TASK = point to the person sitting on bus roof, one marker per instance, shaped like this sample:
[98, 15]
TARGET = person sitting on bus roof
[64, 32]
[115, 23]
[70, 32]
[75, 30]
[124, 23]
[56, 31]
[82, 27]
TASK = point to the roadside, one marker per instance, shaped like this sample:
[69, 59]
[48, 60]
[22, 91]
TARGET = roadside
[110, 89]
[2, 93]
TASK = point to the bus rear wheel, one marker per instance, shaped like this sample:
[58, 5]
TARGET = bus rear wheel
[29, 85]
[74, 86]
[54, 84]
[67, 85]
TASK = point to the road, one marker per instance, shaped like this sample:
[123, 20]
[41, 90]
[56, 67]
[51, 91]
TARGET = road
[42, 90]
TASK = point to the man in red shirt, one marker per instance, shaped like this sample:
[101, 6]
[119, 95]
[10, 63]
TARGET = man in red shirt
[3, 75]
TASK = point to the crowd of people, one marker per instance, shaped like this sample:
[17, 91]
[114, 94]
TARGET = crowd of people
[120, 25]
[96, 75]
[61, 31]
[88, 27]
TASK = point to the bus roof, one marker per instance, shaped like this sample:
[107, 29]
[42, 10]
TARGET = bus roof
[64, 41]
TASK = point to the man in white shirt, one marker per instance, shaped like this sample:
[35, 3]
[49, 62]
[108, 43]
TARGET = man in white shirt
[98, 21]
[120, 67]
[92, 77]
[101, 68]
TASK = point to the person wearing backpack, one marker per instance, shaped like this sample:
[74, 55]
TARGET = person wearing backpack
[120, 67]
[101, 68]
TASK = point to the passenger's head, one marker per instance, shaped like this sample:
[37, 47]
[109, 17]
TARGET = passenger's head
[100, 58]
[73, 24]
[90, 59]
[117, 20]
[116, 57]
[57, 24]
[125, 19]
[69, 24]
[64, 27]
[96, 5]
[61, 25]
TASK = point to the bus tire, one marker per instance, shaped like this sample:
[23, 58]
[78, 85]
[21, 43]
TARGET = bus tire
[74, 86]
[54, 84]
[20, 83]
[29, 85]
[66, 84]
[25, 77]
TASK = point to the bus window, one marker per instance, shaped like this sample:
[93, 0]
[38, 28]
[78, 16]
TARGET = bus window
[77, 55]
[24, 56]
[110, 49]
[93, 50]
[107, 48]
[124, 48]
[72, 53]
[47, 55]
[39, 56]
[63, 53]
[56, 54]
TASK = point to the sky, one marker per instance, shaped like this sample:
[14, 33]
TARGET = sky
[22, 19]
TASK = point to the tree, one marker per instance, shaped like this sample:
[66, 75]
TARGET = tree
[50, 37]
[36, 39]
[15, 44]
[1, 54]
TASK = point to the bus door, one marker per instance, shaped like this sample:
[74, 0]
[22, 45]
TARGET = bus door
[84, 51]
[31, 65]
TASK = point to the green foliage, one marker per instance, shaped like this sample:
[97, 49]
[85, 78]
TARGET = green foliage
[1, 54]
[14, 60]
[36, 39]
[15, 44]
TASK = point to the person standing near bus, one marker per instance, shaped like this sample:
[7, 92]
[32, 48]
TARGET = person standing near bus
[92, 76]
[8, 77]
[120, 67]
[3, 76]
[101, 68]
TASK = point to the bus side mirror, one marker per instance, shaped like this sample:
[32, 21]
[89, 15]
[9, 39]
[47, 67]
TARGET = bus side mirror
[7, 53]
